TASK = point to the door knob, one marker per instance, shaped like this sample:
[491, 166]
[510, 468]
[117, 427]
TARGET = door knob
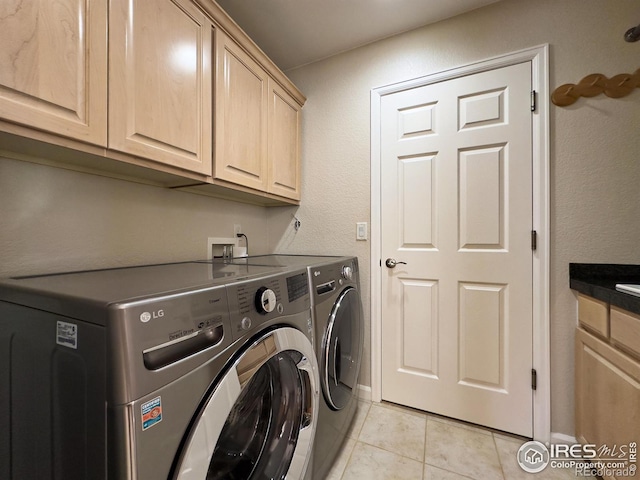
[391, 262]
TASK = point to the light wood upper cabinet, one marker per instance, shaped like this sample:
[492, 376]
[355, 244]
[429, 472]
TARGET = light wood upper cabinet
[241, 116]
[144, 90]
[257, 125]
[160, 82]
[53, 64]
[284, 143]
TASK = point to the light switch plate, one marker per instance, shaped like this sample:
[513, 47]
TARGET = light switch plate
[361, 230]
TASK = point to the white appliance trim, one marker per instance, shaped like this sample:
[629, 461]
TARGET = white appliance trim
[539, 58]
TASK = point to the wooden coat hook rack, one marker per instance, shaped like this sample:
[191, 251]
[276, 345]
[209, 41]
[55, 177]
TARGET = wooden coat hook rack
[595, 84]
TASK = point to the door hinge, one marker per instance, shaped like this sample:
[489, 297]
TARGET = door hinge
[534, 240]
[533, 100]
[534, 379]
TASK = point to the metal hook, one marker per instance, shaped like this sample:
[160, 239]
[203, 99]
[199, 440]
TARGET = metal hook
[633, 34]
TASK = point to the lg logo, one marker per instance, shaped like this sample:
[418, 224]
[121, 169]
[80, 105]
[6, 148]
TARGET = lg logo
[146, 316]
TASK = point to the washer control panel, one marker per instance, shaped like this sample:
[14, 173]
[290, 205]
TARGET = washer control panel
[255, 302]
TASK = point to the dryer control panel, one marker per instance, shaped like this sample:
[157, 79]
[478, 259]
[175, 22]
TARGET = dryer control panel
[328, 278]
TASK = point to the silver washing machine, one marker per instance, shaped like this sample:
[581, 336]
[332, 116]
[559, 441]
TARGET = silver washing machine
[337, 308]
[338, 322]
[179, 371]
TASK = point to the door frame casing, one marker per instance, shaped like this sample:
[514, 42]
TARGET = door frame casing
[539, 58]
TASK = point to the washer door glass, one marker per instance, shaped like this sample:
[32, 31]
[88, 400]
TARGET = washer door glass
[260, 420]
[260, 434]
[341, 349]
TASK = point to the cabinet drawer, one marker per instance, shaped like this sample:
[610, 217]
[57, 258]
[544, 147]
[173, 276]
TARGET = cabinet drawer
[594, 315]
[625, 330]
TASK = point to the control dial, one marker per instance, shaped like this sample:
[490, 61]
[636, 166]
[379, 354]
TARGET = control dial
[265, 300]
[347, 272]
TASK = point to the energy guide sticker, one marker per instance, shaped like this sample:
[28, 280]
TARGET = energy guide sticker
[151, 413]
[67, 334]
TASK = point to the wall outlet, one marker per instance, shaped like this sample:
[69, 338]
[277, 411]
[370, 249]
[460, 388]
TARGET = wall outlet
[237, 228]
[216, 246]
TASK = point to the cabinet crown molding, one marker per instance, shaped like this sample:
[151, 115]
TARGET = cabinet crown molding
[231, 28]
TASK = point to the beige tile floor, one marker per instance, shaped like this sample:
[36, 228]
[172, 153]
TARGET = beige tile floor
[388, 442]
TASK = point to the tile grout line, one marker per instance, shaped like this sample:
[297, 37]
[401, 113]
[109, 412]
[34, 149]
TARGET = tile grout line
[363, 442]
[436, 466]
[356, 441]
[426, 418]
[495, 445]
[424, 452]
[346, 464]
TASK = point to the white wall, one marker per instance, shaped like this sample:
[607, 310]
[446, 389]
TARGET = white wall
[595, 169]
[58, 220]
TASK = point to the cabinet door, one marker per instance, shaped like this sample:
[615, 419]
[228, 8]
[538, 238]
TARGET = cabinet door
[160, 84]
[284, 143]
[241, 117]
[53, 66]
[607, 394]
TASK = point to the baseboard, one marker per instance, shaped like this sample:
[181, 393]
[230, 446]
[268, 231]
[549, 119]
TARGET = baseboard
[562, 438]
[364, 393]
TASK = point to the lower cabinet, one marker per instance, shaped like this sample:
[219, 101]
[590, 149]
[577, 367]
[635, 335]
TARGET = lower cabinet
[607, 394]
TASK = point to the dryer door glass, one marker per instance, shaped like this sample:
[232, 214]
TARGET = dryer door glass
[341, 349]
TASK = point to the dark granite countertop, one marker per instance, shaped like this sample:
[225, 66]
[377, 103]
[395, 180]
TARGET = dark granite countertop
[598, 280]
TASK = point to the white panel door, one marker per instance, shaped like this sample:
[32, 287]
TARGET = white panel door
[457, 208]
